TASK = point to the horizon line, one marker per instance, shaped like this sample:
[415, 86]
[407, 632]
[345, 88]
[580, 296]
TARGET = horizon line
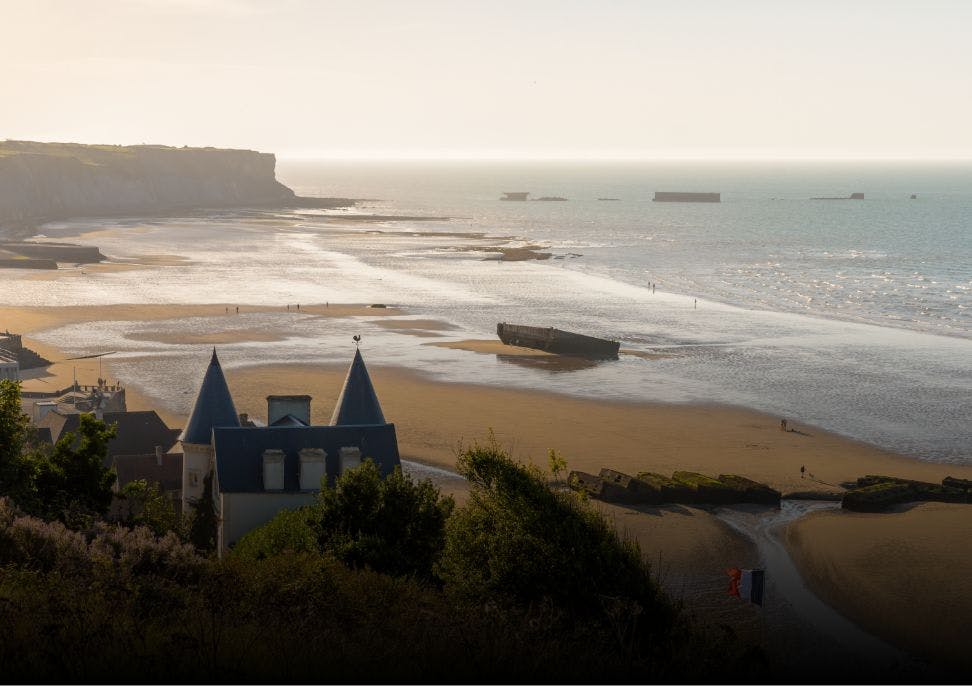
[610, 158]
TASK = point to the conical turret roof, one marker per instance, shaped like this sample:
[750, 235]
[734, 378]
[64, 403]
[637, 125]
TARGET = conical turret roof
[358, 403]
[214, 407]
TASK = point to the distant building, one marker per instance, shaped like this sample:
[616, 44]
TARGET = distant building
[9, 366]
[12, 345]
[76, 398]
[260, 470]
[161, 468]
[138, 433]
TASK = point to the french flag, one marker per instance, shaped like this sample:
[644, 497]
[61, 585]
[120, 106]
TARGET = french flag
[747, 584]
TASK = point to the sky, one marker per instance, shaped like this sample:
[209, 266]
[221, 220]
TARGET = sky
[494, 79]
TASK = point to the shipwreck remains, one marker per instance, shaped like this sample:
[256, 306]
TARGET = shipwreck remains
[557, 341]
[671, 196]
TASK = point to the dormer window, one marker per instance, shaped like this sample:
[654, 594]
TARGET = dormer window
[311, 469]
[349, 458]
[273, 470]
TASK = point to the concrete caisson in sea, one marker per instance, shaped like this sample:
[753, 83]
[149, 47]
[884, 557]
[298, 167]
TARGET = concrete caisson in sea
[515, 195]
[557, 341]
[852, 196]
[680, 196]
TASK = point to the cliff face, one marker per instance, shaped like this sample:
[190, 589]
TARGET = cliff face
[46, 181]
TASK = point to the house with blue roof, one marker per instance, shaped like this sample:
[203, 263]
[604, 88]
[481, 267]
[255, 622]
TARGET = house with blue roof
[259, 470]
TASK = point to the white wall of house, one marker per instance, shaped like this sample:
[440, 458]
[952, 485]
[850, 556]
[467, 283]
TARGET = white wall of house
[196, 463]
[240, 513]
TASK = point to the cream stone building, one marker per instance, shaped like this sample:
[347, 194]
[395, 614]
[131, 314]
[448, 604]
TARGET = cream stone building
[259, 470]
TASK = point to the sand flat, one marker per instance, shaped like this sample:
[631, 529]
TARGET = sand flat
[433, 416]
[25, 320]
[493, 347]
[903, 575]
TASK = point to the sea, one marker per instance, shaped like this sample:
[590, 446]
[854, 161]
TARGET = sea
[854, 316]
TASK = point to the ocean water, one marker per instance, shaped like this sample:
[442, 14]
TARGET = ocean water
[855, 316]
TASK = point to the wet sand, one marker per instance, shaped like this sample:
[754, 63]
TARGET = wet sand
[904, 575]
[537, 359]
[431, 417]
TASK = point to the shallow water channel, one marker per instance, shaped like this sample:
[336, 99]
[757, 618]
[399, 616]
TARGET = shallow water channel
[764, 527]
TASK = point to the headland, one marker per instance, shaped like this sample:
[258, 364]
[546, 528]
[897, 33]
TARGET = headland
[42, 182]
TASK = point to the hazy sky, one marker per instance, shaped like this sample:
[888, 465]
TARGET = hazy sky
[565, 78]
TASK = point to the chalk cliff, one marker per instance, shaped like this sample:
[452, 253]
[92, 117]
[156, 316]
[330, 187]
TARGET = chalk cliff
[47, 181]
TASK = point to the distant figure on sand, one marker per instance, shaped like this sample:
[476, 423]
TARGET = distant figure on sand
[802, 470]
[783, 428]
[237, 309]
[695, 304]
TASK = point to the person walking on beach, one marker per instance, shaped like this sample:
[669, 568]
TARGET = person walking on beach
[696, 304]
[237, 309]
[783, 428]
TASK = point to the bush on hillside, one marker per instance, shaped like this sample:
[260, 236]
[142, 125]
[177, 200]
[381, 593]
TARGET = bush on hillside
[518, 540]
[392, 525]
[290, 531]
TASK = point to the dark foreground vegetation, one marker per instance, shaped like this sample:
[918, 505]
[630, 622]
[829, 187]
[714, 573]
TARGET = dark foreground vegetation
[377, 581]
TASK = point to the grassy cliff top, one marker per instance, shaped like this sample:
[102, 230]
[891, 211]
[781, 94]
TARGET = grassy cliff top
[93, 154]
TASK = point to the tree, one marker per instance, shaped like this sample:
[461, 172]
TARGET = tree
[203, 526]
[518, 540]
[14, 430]
[148, 506]
[393, 525]
[289, 531]
[556, 463]
[70, 482]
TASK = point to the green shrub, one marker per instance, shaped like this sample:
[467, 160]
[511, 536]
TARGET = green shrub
[516, 540]
[392, 525]
[289, 531]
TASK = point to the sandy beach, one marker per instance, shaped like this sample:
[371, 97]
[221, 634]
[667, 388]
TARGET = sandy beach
[904, 575]
[856, 562]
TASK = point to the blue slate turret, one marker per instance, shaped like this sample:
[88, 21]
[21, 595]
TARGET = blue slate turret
[358, 403]
[214, 407]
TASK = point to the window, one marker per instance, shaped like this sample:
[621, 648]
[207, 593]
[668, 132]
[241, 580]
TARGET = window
[311, 469]
[273, 470]
[350, 457]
